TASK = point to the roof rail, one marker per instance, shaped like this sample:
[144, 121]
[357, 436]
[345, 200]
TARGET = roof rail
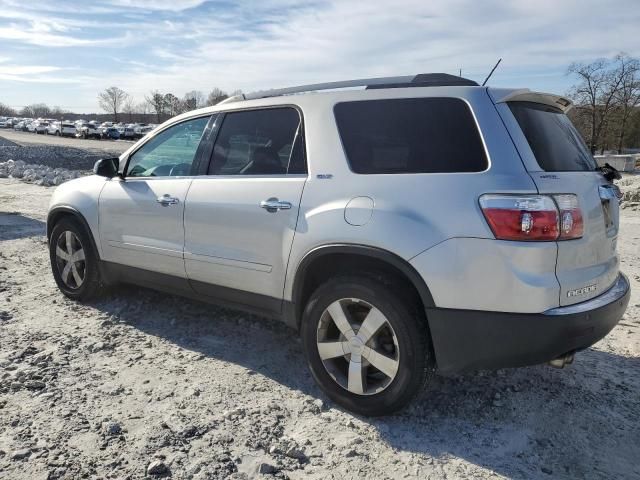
[420, 80]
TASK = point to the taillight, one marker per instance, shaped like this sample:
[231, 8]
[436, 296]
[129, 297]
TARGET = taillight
[522, 218]
[571, 223]
[533, 217]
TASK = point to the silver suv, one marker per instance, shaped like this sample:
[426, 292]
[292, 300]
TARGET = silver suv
[419, 224]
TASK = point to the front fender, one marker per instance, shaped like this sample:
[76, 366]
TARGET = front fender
[79, 198]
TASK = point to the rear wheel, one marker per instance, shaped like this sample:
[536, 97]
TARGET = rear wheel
[366, 345]
[74, 261]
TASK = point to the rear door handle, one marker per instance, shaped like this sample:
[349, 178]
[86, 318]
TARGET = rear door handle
[273, 205]
[166, 200]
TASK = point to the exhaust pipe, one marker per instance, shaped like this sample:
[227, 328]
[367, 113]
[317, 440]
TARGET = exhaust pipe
[561, 361]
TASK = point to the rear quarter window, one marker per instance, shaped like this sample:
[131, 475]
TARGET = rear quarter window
[410, 135]
[554, 141]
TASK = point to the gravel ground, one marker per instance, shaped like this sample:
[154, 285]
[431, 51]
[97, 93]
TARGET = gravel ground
[57, 152]
[141, 384]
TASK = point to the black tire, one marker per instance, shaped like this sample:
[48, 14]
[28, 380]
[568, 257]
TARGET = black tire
[91, 283]
[403, 313]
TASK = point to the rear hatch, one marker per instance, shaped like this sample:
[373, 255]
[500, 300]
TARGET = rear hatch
[560, 163]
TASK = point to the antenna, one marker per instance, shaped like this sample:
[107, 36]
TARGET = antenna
[491, 72]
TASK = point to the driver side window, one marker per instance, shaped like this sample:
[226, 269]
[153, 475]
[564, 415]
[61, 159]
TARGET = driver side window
[170, 153]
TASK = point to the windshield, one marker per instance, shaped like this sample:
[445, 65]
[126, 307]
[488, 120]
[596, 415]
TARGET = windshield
[555, 142]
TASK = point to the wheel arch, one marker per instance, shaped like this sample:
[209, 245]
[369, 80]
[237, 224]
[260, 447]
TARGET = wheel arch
[56, 214]
[319, 257]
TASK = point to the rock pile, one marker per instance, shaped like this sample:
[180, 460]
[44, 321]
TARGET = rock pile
[57, 156]
[38, 174]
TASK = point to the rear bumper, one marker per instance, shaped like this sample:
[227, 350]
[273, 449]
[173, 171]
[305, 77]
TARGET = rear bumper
[469, 339]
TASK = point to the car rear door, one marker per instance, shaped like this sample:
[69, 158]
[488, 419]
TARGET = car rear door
[141, 216]
[240, 217]
[560, 163]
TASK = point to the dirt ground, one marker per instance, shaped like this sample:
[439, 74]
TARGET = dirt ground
[139, 379]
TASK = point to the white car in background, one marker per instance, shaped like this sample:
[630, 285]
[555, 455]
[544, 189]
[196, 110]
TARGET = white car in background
[39, 126]
[64, 128]
[128, 131]
[88, 130]
[142, 131]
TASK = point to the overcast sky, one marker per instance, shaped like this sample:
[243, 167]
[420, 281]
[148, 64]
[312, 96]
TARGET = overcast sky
[64, 52]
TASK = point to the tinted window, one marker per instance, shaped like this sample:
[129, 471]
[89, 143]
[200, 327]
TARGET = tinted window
[170, 153]
[413, 135]
[555, 142]
[259, 142]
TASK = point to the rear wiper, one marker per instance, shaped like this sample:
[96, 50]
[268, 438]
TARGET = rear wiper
[609, 172]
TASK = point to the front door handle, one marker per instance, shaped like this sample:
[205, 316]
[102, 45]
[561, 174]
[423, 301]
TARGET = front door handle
[273, 205]
[166, 200]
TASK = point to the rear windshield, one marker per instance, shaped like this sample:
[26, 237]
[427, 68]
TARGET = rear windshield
[555, 142]
[410, 135]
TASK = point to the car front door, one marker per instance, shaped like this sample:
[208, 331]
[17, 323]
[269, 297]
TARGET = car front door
[141, 215]
[240, 218]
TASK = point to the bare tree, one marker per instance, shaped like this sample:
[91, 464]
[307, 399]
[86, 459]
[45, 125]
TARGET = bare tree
[599, 85]
[6, 111]
[142, 108]
[129, 109]
[57, 112]
[111, 101]
[157, 104]
[37, 110]
[193, 100]
[172, 104]
[627, 98]
[216, 96]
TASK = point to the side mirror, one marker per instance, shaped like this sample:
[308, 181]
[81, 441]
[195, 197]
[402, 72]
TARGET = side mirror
[107, 167]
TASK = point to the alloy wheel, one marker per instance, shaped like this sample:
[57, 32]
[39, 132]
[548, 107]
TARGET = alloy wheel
[357, 346]
[70, 259]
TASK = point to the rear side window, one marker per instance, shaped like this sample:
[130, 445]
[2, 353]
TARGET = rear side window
[410, 135]
[555, 142]
[259, 142]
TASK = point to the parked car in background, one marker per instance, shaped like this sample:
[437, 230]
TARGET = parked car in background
[40, 126]
[127, 132]
[88, 130]
[142, 131]
[110, 132]
[53, 128]
[5, 122]
[63, 128]
[20, 126]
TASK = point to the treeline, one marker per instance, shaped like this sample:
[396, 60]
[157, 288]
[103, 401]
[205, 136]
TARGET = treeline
[32, 111]
[606, 98]
[119, 106]
[607, 103]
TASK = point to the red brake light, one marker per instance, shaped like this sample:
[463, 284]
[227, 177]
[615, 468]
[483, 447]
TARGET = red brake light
[522, 218]
[533, 217]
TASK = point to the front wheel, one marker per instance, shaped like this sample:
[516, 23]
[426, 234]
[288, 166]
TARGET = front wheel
[367, 346]
[74, 261]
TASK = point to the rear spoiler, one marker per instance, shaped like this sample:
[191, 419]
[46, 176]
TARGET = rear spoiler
[500, 95]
